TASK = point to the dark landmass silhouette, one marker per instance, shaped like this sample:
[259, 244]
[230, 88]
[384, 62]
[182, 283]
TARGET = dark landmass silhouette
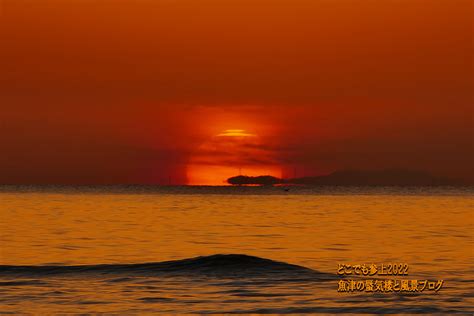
[260, 180]
[386, 177]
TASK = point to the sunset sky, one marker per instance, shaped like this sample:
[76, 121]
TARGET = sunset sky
[186, 91]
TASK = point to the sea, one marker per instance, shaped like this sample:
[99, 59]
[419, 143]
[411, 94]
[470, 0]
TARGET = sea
[138, 250]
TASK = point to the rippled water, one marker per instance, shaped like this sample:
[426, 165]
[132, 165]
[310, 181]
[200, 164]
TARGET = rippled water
[92, 250]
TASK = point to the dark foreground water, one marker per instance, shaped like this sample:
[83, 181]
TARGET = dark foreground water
[139, 250]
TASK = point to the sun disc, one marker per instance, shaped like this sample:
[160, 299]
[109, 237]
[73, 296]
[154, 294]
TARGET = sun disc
[235, 133]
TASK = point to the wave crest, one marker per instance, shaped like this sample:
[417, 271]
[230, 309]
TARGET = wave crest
[219, 265]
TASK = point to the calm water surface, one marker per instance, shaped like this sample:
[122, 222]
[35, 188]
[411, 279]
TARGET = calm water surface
[430, 229]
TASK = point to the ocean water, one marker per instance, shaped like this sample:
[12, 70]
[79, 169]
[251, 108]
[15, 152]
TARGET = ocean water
[143, 250]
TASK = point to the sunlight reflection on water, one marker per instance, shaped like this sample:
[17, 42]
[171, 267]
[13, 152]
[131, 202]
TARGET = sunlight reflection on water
[430, 232]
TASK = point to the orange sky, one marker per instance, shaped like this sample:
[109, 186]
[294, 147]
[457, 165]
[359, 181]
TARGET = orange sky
[128, 91]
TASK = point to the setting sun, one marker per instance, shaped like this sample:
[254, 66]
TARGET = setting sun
[235, 133]
[227, 154]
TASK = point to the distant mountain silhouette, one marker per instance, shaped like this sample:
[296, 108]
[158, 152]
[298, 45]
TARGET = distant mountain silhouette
[387, 177]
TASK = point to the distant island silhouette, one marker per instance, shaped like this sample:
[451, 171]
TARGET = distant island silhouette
[260, 180]
[386, 177]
